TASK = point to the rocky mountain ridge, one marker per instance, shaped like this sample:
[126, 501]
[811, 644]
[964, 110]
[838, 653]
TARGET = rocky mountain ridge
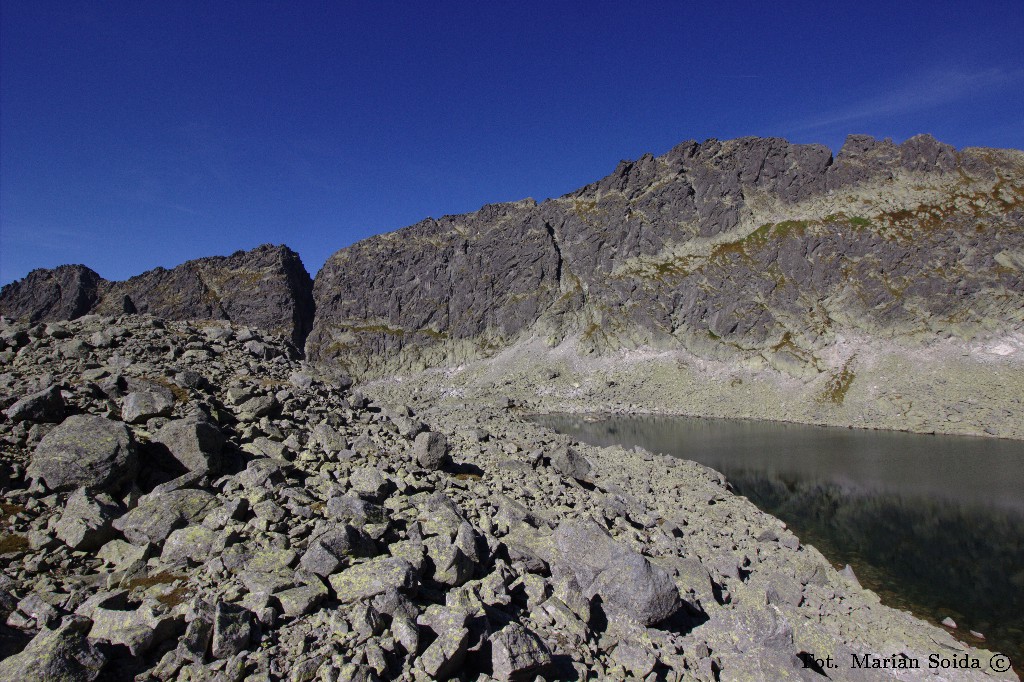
[771, 280]
[756, 249]
[267, 287]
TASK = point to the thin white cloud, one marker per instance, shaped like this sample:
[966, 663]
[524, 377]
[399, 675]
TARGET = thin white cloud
[929, 90]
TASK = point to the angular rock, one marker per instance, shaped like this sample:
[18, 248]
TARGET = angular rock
[445, 655]
[85, 450]
[372, 578]
[139, 406]
[233, 630]
[356, 510]
[45, 406]
[190, 544]
[569, 462]
[518, 654]
[629, 586]
[138, 630]
[195, 444]
[302, 600]
[158, 515]
[86, 522]
[60, 655]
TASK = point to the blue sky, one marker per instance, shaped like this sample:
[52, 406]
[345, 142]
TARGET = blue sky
[139, 134]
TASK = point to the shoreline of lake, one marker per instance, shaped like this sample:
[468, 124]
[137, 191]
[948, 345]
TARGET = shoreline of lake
[976, 513]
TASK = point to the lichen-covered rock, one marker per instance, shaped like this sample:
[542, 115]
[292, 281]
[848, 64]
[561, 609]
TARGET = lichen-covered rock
[156, 516]
[629, 586]
[86, 522]
[373, 577]
[518, 654]
[85, 450]
[431, 449]
[232, 630]
[60, 655]
[195, 443]
[43, 406]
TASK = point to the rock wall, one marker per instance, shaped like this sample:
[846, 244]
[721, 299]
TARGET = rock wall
[267, 287]
[753, 245]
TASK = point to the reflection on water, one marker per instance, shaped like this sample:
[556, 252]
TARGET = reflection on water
[931, 523]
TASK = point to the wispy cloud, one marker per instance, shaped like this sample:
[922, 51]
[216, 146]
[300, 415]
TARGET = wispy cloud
[928, 90]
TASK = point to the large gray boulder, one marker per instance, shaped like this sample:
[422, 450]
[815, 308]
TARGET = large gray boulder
[140, 406]
[374, 577]
[60, 655]
[86, 523]
[518, 654]
[431, 449]
[569, 462]
[43, 406]
[629, 586]
[85, 451]
[157, 515]
[195, 443]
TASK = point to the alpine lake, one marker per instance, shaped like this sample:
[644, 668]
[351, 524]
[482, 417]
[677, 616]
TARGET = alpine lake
[932, 524]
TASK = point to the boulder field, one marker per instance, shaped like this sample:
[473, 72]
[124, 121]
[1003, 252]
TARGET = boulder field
[192, 501]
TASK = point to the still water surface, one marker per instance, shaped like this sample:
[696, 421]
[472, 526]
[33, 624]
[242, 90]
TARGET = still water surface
[934, 524]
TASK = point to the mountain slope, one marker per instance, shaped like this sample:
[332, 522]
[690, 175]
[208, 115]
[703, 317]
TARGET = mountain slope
[267, 287]
[752, 246]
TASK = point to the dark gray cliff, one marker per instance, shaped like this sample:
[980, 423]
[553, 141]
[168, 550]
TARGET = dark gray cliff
[751, 244]
[63, 293]
[267, 287]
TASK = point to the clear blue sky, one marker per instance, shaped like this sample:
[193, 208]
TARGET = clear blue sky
[137, 134]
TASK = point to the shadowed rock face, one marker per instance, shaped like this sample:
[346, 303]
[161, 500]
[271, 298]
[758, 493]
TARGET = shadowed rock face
[756, 244]
[64, 293]
[267, 287]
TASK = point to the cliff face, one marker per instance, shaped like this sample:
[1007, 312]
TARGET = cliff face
[752, 246]
[267, 287]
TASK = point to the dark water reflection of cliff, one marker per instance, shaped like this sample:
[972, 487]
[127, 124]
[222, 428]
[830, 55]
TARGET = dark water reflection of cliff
[934, 524]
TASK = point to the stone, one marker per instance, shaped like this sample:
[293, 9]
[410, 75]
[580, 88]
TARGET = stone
[368, 482]
[445, 655]
[254, 408]
[233, 630]
[431, 449]
[43, 406]
[628, 584]
[356, 510]
[156, 516]
[635, 657]
[302, 600]
[138, 629]
[195, 444]
[190, 544]
[373, 577]
[59, 655]
[86, 522]
[518, 654]
[85, 450]
[569, 462]
[140, 406]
